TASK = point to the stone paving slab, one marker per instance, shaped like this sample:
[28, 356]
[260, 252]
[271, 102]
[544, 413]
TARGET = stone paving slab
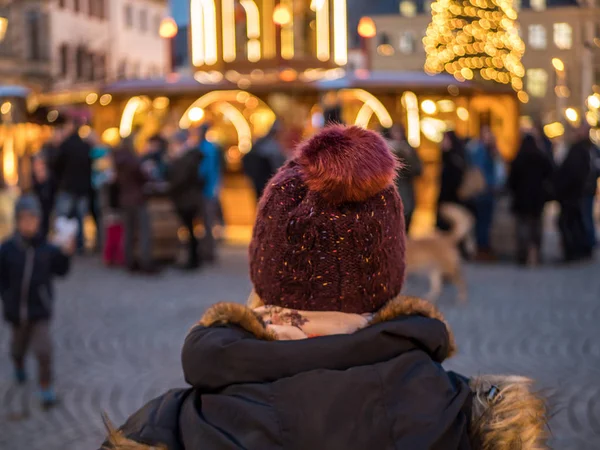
[118, 341]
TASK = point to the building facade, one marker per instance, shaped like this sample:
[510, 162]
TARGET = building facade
[66, 44]
[562, 56]
[95, 41]
[24, 50]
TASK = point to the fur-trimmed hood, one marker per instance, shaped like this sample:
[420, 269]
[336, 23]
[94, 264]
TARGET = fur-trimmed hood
[233, 347]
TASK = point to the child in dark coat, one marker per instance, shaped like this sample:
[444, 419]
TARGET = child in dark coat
[27, 266]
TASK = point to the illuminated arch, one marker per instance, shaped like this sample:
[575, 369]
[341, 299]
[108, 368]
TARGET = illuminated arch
[371, 105]
[222, 100]
[133, 106]
[203, 22]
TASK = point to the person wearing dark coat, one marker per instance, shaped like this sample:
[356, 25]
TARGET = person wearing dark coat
[328, 354]
[266, 156]
[572, 178]
[185, 189]
[74, 178]
[28, 265]
[589, 198]
[45, 191]
[530, 175]
[131, 179]
[411, 168]
[452, 172]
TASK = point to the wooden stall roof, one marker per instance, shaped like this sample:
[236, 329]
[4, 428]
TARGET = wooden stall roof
[376, 81]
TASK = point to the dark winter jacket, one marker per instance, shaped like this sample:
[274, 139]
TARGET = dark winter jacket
[185, 186]
[412, 168]
[530, 178]
[26, 272]
[261, 163]
[130, 178]
[45, 191]
[453, 169]
[573, 174]
[74, 166]
[382, 387]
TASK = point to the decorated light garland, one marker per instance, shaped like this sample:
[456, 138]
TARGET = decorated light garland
[472, 38]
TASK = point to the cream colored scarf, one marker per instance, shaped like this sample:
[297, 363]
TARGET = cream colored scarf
[291, 324]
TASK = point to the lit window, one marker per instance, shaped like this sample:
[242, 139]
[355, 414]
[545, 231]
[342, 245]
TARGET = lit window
[408, 8]
[537, 82]
[537, 37]
[538, 5]
[563, 35]
[384, 48]
[407, 42]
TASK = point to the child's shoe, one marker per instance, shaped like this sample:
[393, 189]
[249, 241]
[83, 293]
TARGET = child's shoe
[48, 397]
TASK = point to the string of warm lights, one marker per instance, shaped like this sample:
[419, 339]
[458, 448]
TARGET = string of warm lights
[472, 38]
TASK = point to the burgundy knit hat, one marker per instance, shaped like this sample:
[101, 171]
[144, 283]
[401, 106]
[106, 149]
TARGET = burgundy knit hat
[329, 235]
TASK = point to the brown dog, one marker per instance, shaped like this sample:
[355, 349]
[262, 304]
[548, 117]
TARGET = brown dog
[437, 254]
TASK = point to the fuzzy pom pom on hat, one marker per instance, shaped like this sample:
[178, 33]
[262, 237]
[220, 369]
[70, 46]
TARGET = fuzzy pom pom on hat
[329, 234]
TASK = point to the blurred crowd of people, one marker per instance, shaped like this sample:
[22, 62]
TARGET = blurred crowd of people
[474, 174]
[76, 177]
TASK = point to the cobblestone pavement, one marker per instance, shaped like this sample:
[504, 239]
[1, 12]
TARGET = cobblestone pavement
[118, 340]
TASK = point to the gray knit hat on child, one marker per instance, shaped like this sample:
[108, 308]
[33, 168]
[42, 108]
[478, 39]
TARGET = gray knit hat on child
[28, 203]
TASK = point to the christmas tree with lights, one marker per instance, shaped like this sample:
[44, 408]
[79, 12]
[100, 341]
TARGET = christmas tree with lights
[475, 39]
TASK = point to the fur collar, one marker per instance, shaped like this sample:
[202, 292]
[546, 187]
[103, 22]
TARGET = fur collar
[244, 316]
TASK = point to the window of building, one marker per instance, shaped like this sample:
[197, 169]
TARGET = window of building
[517, 5]
[384, 48]
[135, 71]
[80, 63]
[157, 21]
[537, 82]
[62, 3]
[102, 13]
[63, 58]
[92, 8]
[563, 35]
[407, 42]
[537, 36]
[427, 6]
[34, 24]
[143, 20]
[122, 70]
[99, 67]
[408, 8]
[77, 5]
[128, 16]
[538, 5]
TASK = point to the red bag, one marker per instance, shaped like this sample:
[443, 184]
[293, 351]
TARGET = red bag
[113, 245]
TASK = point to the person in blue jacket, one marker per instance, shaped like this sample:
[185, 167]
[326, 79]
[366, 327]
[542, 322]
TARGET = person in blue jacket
[483, 154]
[210, 172]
